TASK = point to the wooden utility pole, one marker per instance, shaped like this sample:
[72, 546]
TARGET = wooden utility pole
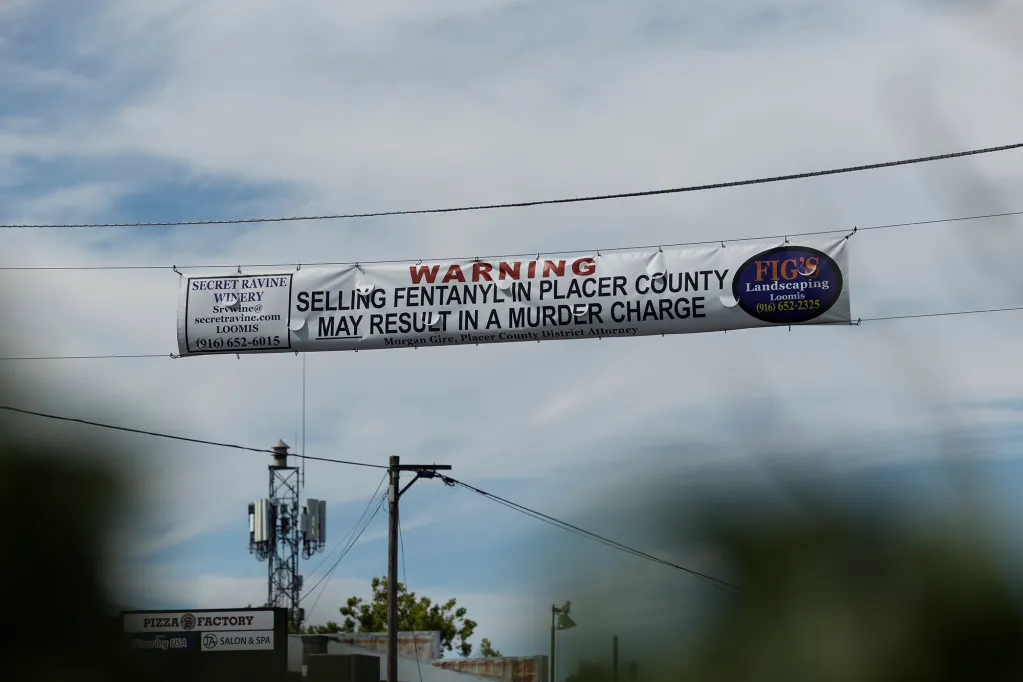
[392, 572]
[614, 659]
[554, 644]
[394, 494]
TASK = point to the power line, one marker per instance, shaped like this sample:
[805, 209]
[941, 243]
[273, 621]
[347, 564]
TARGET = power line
[354, 533]
[347, 549]
[857, 322]
[543, 202]
[947, 314]
[538, 515]
[531, 254]
[303, 415]
[113, 356]
[412, 624]
[184, 439]
[354, 537]
[564, 525]
[362, 517]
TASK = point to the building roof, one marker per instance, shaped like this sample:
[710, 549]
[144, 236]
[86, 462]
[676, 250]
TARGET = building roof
[409, 668]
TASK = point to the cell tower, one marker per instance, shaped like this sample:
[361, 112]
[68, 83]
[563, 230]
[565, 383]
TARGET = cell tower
[279, 532]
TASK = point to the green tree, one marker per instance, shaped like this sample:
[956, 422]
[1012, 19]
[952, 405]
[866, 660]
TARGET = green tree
[419, 614]
[487, 650]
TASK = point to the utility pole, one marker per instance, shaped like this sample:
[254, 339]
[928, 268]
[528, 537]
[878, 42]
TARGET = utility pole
[392, 570]
[554, 645]
[614, 659]
[394, 494]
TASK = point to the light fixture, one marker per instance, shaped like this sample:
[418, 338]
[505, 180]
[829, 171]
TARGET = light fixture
[559, 621]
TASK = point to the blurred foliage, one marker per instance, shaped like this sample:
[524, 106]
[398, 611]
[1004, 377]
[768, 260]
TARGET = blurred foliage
[588, 671]
[56, 511]
[62, 503]
[329, 628]
[828, 595]
[487, 649]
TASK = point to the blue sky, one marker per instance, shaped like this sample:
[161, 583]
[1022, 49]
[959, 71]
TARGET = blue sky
[181, 109]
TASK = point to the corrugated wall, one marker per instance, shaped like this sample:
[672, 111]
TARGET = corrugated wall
[507, 669]
[422, 645]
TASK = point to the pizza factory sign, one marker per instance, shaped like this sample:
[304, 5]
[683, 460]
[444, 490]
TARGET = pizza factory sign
[218, 630]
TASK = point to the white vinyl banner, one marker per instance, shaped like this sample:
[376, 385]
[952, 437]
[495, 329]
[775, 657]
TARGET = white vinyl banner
[628, 292]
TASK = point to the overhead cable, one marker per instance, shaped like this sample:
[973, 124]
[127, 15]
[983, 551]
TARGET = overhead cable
[920, 316]
[354, 529]
[531, 254]
[857, 322]
[408, 590]
[543, 202]
[382, 498]
[109, 356]
[326, 576]
[564, 525]
[186, 439]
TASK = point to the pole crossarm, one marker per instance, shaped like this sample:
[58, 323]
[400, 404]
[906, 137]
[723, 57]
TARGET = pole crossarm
[394, 493]
[422, 471]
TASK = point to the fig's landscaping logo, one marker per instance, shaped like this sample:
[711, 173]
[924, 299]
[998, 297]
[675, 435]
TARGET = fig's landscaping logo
[788, 284]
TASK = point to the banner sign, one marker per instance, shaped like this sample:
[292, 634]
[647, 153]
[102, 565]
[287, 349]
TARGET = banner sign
[202, 621]
[623, 293]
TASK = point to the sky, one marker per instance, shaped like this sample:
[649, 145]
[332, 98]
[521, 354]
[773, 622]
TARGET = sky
[126, 111]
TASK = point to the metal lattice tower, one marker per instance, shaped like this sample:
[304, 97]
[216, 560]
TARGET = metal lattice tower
[279, 531]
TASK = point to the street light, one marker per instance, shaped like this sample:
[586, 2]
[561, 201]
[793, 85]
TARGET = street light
[559, 621]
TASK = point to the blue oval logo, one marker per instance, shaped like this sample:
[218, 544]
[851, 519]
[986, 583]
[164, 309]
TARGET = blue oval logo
[788, 284]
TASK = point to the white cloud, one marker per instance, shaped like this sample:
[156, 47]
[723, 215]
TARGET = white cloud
[360, 106]
[82, 199]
